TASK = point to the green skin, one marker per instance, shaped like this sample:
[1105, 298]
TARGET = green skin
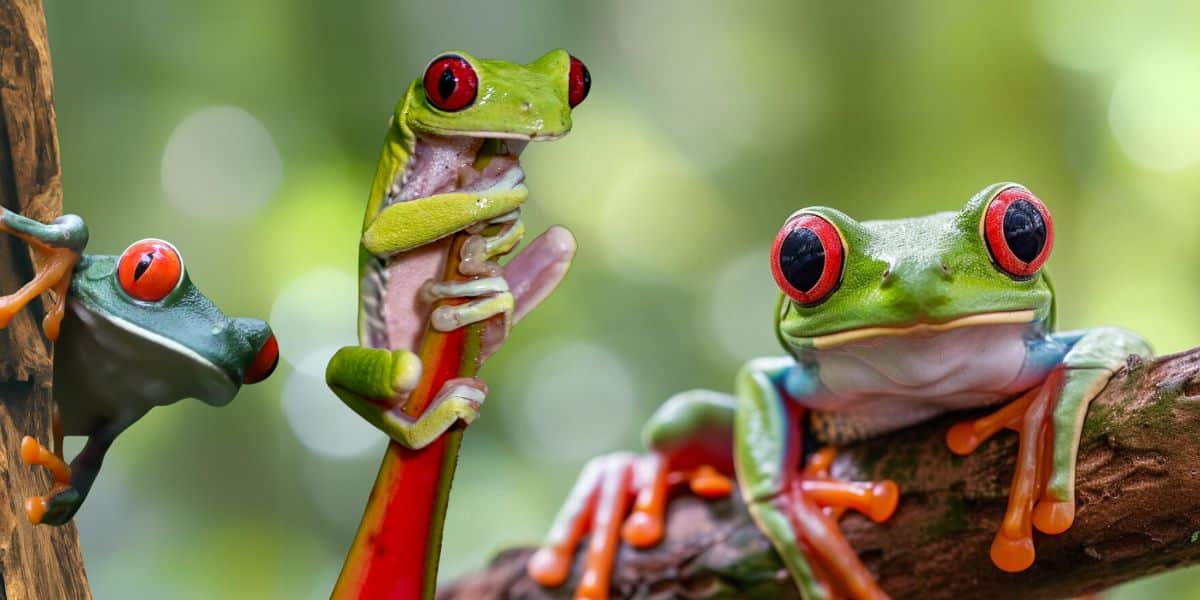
[117, 357]
[927, 272]
[403, 245]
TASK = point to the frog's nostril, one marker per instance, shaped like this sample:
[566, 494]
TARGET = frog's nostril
[264, 362]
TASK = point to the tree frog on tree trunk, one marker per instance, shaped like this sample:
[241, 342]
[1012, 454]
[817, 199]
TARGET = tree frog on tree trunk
[886, 324]
[131, 333]
[450, 163]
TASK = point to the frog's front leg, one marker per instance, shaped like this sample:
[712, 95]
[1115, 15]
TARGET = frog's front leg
[798, 509]
[59, 246]
[71, 483]
[370, 380]
[1049, 419]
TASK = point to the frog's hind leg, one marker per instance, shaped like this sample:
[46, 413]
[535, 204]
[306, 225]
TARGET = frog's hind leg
[71, 483]
[59, 246]
[1092, 361]
[690, 438]
[595, 505]
[690, 444]
[35, 454]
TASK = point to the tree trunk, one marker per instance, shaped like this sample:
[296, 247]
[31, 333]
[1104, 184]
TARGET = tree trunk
[35, 562]
[1138, 497]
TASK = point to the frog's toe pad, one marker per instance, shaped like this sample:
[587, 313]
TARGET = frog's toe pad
[55, 509]
[35, 509]
[1053, 517]
[963, 438]
[885, 496]
[642, 530]
[707, 482]
[1012, 555]
[31, 451]
[549, 567]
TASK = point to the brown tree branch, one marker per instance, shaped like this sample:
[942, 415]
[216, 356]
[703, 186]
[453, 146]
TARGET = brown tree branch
[1138, 498]
[35, 562]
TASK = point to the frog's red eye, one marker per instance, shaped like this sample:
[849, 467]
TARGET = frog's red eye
[1018, 231]
[451, 83]
[264, 362]
[149, 270]
[807, 259]
[579, 82]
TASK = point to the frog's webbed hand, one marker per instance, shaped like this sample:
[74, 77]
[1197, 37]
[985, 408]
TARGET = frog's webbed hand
[58, 246]
[508, 291]
[487, 291]
[71, 483]
[687, 437]
[1049, 420]
[369, 380]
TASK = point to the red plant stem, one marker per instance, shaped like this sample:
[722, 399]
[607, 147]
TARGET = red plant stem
[395, 552]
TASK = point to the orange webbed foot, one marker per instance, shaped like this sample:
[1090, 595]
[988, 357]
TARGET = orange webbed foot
[35, 454]
[875, 499]
[598, 506]
[1012, 549]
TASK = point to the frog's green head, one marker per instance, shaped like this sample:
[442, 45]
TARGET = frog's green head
[461, 95]
[145, 301]
[844, 281]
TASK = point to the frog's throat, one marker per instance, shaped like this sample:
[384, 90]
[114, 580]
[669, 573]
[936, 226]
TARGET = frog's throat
[218, 373]
[1013, 317]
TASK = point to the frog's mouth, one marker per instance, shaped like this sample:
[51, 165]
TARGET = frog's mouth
[460, 163]
[923, 328]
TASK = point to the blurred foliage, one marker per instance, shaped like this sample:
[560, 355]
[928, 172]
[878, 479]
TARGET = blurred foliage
[709, 122]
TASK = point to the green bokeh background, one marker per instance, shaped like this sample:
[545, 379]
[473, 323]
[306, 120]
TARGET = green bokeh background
[246, 133]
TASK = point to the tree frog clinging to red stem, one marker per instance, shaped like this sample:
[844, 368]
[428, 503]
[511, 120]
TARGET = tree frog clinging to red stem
[886, 324]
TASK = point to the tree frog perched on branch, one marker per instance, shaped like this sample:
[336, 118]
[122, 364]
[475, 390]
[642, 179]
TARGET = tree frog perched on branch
[131, 333]
[450, 163]
[886, 324]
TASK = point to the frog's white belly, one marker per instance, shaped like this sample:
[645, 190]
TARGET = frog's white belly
[949, 370]
[106, 368]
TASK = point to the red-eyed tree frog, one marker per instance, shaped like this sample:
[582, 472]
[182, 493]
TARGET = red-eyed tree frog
[450, 163]
[131, 333]
[886, 324]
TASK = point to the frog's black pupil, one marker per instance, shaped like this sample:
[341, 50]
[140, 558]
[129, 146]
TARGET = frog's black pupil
[802, 258]
[587, 81]
[1024, 230]
[446, 83]
[143, 264]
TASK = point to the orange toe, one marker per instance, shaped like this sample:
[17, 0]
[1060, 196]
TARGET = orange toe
[642, 530]
[885, 495]
[1012, 555]
[30, 450]
[35, 508]
[1053, 517]
[963, 438]
[707, 482]
[549, 567]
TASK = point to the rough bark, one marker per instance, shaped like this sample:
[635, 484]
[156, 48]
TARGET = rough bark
[1138, 498]
[35, 562]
